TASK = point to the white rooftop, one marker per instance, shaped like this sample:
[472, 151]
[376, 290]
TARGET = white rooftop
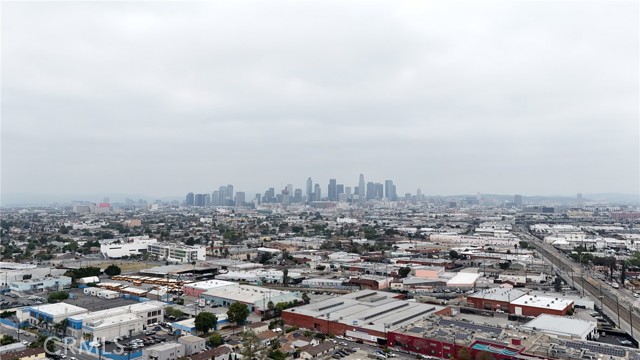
[58, 309]
[463, 279]
[209, 284]
[545, 302]
[499, 294]
[561, 325]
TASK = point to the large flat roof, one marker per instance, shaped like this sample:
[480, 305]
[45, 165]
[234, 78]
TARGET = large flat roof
[58, 309]
[498, 294]
[209, 284]
[246, 293]
[369, 309]
[561, 325]
[545, 302]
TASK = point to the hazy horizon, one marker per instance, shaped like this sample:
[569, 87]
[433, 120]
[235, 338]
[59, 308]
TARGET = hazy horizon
[450, 97]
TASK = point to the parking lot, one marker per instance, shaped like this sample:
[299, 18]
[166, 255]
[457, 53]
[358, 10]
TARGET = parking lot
[94, 303]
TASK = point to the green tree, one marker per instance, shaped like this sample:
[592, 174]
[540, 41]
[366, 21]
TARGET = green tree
[57, 296]
[238, 312]
[205, 321]
[250, 345]
[454, 254]
[305, 298]
[276, 355]
[215, 340]
[7, 339]
[285, 277]
[404, 271]
[557, 284]
[171, 311]
[113, 270]
[61, 327]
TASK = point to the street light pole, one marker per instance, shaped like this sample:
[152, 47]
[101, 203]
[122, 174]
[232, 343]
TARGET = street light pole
[631, 320]
[618, 309]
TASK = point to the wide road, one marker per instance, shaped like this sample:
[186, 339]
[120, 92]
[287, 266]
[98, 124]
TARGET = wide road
[617, 304]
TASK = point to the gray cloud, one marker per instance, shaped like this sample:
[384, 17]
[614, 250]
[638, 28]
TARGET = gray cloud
[168, 97]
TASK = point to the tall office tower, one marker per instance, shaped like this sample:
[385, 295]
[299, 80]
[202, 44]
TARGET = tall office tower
[309, 189]
[394, 192]
[340, 189]
[285, 197]
[257, 199]
[230, 194]
[270, 195]
[297, 197]
[419, 194]
[347, 191]
[222, 195]
[240, 198]
[207, 199]
[290, 189]
[379, 191]
[389, 190]
[517, 200]
[199, 200]
[317, 194]
[189, 201]
[333, 190]
[361, 189]
[215, 198]
[356, 191]
[371, 190]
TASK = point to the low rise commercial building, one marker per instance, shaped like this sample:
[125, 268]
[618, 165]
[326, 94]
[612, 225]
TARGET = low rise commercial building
[366, 315]
[126, 247]
[494, 298]
[192, 344]
[52, 313]
[178, 253]
[53, 283]
[256, 298]
[119, 321]
[165, 351]
[563, 327]
[197, 288]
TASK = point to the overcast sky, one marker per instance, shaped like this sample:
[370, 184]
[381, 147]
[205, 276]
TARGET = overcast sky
[163, 98]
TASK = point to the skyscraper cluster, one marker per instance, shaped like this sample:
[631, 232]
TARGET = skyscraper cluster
[224, 196]
[313, 192]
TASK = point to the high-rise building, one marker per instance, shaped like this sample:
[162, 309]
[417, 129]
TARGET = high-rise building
[390, 190]
[190, 200]
[317, 194]
[517, 200]
[223, 196]
[297, 197]
[285, 197]
[371, 190]
[361, 188]
[230, 195]
[309, 189]
[240, 198]
[333, 190]
[379, 191]
[347, 191]
[207, 199]
[270, 196]
[199, 200]
[340, 188]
